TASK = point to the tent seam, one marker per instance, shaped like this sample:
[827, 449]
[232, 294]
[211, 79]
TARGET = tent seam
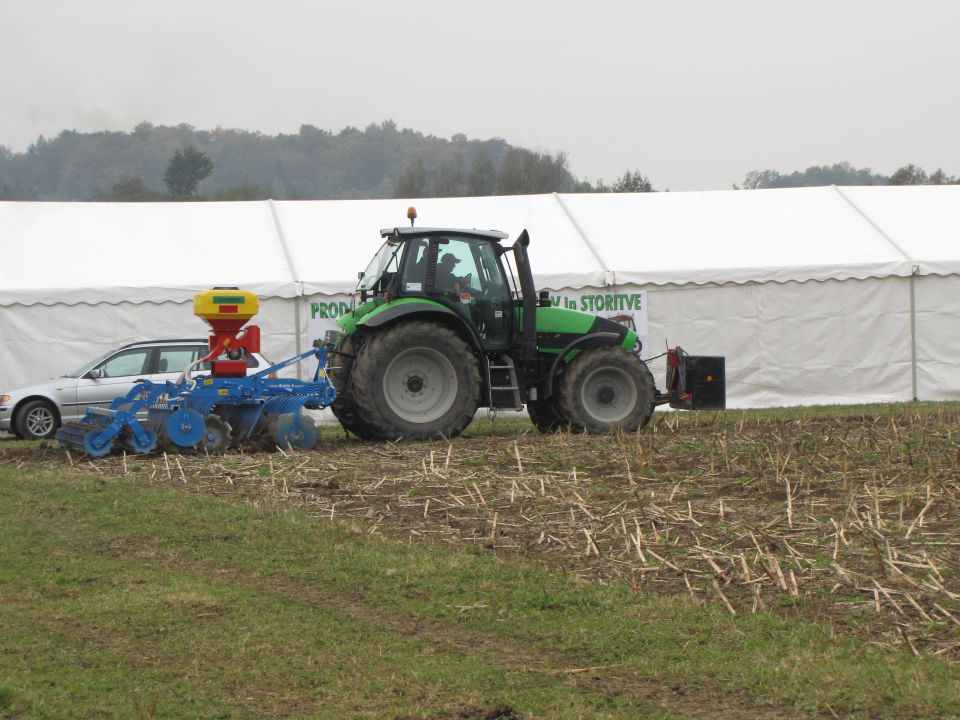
[291, 267]
[586, 240]
[870, 221]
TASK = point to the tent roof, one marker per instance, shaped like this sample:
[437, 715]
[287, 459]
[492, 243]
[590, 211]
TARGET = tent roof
[154, 252]
[721, 237]
[137, 252]
[330, 241]
[922, 220]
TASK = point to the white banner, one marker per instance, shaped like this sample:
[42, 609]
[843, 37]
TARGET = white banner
[322, 315]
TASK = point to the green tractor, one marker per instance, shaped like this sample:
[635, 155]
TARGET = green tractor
[442, 328]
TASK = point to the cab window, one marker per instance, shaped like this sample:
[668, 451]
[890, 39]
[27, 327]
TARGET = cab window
[456, 267]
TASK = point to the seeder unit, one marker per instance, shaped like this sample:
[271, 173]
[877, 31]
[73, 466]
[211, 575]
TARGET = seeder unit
[212, 412]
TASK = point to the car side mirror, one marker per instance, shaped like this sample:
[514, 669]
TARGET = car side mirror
[95, 373]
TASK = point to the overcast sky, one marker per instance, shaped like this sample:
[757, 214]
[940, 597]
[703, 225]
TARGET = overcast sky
[692, 93]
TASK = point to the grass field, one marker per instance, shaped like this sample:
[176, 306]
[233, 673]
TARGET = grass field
[799, 563]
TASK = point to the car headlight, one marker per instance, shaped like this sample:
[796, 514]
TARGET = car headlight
[4, 399]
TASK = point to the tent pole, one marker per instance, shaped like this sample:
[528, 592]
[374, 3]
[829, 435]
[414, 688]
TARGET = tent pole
[298, 296]
[296, 324]
[914, 270]
[913, 331]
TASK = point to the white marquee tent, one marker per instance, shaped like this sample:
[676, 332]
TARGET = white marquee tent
[814, 295]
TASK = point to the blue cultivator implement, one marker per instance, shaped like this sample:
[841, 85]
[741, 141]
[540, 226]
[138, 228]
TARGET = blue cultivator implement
[213, 412]
[207, 413]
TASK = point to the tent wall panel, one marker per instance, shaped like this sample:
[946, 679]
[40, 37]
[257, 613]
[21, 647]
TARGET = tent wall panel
[938, 337]
[794, 343]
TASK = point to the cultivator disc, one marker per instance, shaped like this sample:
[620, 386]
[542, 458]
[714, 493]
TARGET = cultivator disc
[185, 427]
[216, 436]
[292, 432]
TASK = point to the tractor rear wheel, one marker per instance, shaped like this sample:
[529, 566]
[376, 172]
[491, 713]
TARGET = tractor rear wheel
[416, 380]
[344, 407]
[606, 389]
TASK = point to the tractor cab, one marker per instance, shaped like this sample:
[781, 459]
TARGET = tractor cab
[461, 270]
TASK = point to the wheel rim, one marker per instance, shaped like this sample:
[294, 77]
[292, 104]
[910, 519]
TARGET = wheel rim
[609, 394]
[420, 385]
[39, 421]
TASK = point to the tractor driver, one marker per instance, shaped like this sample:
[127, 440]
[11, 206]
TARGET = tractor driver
[446, 281]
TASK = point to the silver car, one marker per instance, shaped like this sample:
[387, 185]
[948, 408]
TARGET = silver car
[36, 411]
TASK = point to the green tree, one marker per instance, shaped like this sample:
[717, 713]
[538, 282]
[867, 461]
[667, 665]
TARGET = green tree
[243, 191]
[186, 170]
[909, 175]
[482, 179]
[412, 182]
[939, 177]
[914, 175]
[841, 173]
[524, 172]
[448, 178]
[129, 189]
[632, 182]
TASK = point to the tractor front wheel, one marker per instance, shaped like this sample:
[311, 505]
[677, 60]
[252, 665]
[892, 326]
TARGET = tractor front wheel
[606, 389]
[416, 380]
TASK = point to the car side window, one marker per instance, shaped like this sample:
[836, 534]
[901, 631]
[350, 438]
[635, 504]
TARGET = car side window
[176, 359]
[123, 364]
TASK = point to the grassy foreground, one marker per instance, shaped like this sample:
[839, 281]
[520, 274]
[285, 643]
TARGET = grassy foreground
[126, 597]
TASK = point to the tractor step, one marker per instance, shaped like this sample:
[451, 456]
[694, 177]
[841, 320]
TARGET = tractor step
[504, 392]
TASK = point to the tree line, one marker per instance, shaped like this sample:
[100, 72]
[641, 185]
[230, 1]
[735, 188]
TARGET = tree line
[156, 163]
[843, 173]
[153, 163]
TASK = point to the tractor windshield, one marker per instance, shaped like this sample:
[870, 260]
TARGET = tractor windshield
[384, 260]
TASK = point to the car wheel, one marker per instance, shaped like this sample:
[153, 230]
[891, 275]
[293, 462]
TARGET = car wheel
[37, 420]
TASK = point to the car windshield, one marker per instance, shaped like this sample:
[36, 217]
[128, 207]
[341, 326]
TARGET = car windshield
[385, 256]
[89, 365]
